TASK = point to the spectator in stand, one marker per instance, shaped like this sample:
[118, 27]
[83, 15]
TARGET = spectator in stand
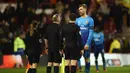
[73, 5]
[19, 47]
[112, 27]
[125, 45]
[65, 19]
[99, 20]
[2, 41]
[115, 46]
[59, 7]
[126, 4]
[20, 13]
[93, 8]
[117, 13]
[104, 9]
[9, 12]
[13, 26]
[1, 15]
[6, 39]
[31, 14]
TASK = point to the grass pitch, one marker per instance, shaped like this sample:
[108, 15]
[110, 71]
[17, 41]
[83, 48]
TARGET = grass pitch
[125, 69]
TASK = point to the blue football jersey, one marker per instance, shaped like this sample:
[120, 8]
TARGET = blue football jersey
[98, 38]
[86, 29]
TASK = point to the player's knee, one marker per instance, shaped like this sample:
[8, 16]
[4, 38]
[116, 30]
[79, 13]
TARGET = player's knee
[67, 62]
[56, 64]
[73, 62]
[49, 64]
[34, 65]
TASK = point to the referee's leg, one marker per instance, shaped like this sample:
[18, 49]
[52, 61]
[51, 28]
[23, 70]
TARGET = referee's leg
[57, 61]
[36, 59]
[30, 58]
[74, 56]
[67, 60]
[50, 62]
[33, 61]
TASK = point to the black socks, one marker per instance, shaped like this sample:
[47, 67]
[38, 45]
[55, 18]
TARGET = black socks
[56, 69]
[73, 69]
[67, 69]
[32, 70]
[48, 69]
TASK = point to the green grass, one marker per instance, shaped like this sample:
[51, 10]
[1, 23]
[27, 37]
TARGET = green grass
[125, 69]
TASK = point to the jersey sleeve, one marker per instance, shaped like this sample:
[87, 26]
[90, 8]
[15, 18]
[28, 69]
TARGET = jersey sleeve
[111, 48]
[76, 21]
[102, 38]
[90, 35]
[16, 45]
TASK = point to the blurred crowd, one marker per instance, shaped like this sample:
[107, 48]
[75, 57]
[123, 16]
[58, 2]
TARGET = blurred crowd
[108, 14]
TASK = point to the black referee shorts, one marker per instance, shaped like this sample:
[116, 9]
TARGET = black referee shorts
[33, 58]
[72, 53]
[54, 56]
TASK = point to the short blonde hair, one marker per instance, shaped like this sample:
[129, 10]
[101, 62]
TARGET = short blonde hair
[83, 5]
[55, 17]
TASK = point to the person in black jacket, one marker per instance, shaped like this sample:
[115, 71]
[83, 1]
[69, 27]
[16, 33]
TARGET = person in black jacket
[33, 46]
[73, 44]
[53, 41]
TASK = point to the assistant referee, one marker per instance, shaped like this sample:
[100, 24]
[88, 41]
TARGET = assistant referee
[33, 46]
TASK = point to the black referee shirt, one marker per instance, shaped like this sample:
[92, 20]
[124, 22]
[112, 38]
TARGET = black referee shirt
[33, 43]
[71, 34]
[53, 37]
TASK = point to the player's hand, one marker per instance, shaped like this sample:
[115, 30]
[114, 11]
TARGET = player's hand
[86, 47]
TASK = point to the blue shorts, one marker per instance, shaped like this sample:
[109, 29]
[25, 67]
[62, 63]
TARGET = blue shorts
[86, 53]
[19, 52]
[98, 48]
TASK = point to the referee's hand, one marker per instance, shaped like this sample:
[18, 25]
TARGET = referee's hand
[82, 52]
[46, 51]
[61, 52]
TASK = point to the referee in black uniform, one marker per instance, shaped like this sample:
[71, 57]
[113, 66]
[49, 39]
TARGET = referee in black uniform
[53, 40]
[33, 46]
[73, 44]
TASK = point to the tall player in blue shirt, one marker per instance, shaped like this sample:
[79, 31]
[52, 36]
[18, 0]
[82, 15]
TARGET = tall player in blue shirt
[86, 25]
[98, 38]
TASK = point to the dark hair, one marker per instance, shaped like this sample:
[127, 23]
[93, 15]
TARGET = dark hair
[117, 36]
[19, 32]
[97, 29]
[72, 17]
[83, 5]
